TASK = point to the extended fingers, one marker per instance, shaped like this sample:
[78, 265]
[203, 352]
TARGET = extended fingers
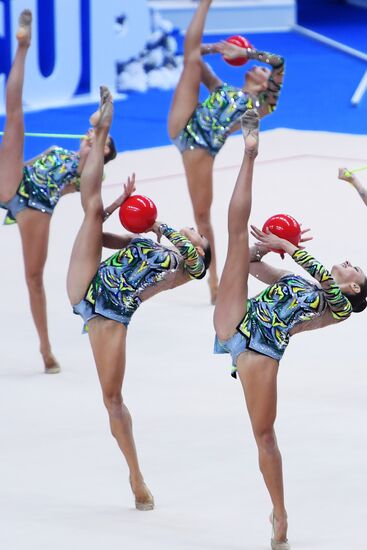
[307, 238]
[256, 230]
[257, 234]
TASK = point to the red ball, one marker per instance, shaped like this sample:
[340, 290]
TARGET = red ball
[138, 213]
[285, 227]
[242, 42]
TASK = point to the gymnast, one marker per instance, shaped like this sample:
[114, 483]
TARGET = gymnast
[199, 130]
[256, 331]
[346, 175]
[107, 294]
[30, 191]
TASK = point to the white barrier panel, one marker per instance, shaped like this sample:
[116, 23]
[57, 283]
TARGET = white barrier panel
[233, 16]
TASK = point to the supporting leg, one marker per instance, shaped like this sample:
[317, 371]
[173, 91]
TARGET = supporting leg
[199, 173]
[34, 230]
[258, 375]
[108, 341]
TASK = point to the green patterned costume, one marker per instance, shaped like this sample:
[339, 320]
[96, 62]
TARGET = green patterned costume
[119, 285]
[292, 300]
[43, 182]
[213, 120]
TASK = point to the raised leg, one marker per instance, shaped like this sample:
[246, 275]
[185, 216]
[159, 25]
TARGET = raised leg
[199, 173]
[11, 151]
[34, 230]
[108, 341]
[186, 95]
[87, 249]
[258, 375]
[232, 293]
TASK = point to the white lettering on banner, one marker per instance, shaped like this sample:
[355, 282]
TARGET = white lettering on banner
[60, 86]
[119, 31]
[107, 45]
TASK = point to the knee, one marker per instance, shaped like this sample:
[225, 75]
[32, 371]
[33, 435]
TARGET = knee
[113, 403]
[266, 441]
[34, 280]
[94, 206]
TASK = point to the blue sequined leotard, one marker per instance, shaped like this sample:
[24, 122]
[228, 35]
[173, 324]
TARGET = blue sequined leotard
[212, 120]
[137, 272]
[290, 301]
[43, 182]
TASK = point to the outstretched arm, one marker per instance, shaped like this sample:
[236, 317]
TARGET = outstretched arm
[129, 189]
[194, 263]
[269, 98]
[116, 242]
[111, 240]
[345, 175]
[338, 303]
[263, 271]
[209, 78]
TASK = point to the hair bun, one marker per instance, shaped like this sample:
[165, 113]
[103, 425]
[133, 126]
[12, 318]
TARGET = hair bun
[357, 308]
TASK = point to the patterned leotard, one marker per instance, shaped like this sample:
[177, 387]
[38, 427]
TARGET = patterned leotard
[272, 314]
[212, 121]
[136, 273]
[43, 182]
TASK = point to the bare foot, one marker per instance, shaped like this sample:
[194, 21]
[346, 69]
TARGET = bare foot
[50, 362]
[24, 33]
[250, 131]
[103, 117]
[144, 499]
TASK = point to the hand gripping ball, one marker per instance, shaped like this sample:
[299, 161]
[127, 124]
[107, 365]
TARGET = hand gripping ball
[138, 213]
[242, 42]
[285, 227]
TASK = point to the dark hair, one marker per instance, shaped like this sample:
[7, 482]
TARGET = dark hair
[112, 153]
[359, 301]
[207, 256]
[207, 260]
